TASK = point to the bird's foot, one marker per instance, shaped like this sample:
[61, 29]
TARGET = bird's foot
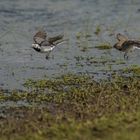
[47, 57]
[126, 56]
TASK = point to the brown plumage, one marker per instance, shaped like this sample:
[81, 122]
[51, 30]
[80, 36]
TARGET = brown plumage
[126, 45]
[39, 37]
[121, 39]
[55, 39]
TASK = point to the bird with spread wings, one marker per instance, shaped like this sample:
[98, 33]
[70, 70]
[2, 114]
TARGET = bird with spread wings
[126, 45]
[44, 44]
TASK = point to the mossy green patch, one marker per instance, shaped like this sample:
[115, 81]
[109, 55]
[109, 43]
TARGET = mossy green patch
[134, 69]
[74, 107]
[104, 47]
[98, 30]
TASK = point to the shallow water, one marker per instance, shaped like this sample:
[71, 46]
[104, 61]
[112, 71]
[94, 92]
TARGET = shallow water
[20, 19]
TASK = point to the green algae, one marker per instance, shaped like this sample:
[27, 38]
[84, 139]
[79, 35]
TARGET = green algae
[104, 47]
[74, 107]
[134, 69]
[98, 30]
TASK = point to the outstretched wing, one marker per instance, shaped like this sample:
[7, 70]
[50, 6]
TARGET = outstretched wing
[118, 46]
[53, 40]
[40, 37]
[121, 37]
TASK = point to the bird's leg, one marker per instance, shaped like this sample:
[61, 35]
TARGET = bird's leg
[126, 55]
[47, 55]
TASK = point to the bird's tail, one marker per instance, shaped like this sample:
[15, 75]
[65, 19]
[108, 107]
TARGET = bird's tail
[56, 39]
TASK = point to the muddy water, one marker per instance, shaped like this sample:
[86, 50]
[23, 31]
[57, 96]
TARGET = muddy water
[20, 19]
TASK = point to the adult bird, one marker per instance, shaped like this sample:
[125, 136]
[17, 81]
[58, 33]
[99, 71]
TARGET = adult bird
[126, 45]
[44, 44]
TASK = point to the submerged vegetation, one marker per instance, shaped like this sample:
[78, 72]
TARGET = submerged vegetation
[98, 100]
[73, 107]
[98, 30]
[103, 46]
[134, 69]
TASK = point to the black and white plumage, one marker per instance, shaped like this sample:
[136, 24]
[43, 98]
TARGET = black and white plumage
[44, 44]
[126, 45]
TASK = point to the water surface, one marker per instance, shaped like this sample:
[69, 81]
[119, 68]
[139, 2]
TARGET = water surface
[78, 20]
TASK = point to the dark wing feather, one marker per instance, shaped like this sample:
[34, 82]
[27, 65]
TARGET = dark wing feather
[39, 37]
[54, 39]
[129, 44]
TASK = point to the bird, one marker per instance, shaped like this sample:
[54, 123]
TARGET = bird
[44, 44]
[126, 45]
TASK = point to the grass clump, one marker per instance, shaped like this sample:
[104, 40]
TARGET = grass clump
[134, 69]
[74, 107]
[104, 47]
[98, 30]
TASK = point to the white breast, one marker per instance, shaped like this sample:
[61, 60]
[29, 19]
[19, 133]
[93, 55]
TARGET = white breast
[136, 47]
[47, 48]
